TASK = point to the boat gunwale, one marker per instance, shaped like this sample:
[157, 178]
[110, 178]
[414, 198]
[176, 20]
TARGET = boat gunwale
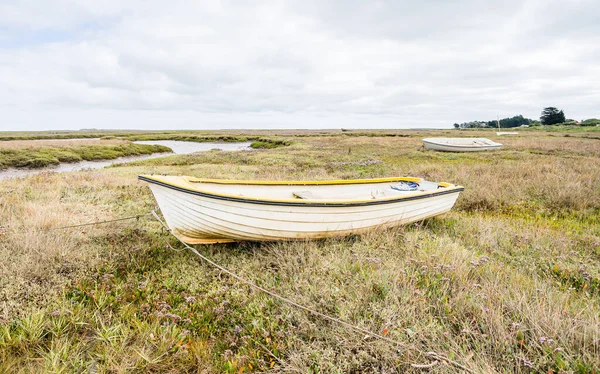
[443, 189]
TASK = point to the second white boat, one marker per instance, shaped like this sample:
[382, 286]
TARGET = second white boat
[460, 144]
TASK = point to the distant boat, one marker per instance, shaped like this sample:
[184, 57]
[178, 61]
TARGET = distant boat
[205, 211]
[460, 144]
[500, 133]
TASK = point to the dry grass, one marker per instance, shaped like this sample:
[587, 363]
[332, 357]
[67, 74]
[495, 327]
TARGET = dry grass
[509, 281]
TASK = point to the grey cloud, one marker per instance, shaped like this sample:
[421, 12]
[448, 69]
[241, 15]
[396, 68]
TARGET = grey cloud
[301, 64]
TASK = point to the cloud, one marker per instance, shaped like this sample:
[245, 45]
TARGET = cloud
[327, 64]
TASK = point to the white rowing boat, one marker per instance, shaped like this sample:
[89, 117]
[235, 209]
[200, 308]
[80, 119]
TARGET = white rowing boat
[500, 132]
[204, 211]
[460, 144]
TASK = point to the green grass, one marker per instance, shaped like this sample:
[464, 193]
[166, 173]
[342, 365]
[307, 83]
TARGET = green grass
[7, 137]
[64, 135]
[48, 156]
[562, 128]
[258, 142]
[269, 143]
[508, 281]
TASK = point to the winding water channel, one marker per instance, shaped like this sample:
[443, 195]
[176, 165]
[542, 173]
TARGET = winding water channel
[178, 147]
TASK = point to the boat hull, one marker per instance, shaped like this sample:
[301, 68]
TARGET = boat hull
[204, 219]
[446, 147]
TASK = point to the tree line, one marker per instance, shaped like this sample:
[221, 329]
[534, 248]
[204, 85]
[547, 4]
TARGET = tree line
[549, 116]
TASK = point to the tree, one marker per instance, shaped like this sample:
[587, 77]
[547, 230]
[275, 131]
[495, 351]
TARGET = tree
[471, 125]
[590, 122]
[552, 116]
[515, 121]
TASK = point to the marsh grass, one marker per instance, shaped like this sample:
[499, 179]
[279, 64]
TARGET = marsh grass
[266, 143]
[67, 134]
[30, 155]
[58, 143]
[506, 282]
[258, 142]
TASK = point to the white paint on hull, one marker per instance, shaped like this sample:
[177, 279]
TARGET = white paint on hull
[460, 144]
[206, 219]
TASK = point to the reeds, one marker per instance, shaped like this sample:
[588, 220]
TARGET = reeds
[506, 282]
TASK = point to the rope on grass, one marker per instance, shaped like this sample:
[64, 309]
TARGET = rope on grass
[434, 356]
[5, 193]
[431, 355]
[137, 216]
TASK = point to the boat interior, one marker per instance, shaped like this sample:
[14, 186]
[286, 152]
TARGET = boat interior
[327, 190]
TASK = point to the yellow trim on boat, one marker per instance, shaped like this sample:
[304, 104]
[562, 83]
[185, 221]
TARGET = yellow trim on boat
[192, 188]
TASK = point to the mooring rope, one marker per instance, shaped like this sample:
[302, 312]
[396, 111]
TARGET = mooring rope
[431, 355]
[434, 356]
[137, 216]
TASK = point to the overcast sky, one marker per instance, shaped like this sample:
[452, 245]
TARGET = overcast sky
[154, 64]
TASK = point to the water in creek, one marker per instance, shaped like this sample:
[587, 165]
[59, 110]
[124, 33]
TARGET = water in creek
[178, 147]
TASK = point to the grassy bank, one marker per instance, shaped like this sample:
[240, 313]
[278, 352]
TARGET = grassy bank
[563, 128]
[506, 282]
[267, 143]
[38, 157]
[258, 142]
[65, 135]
